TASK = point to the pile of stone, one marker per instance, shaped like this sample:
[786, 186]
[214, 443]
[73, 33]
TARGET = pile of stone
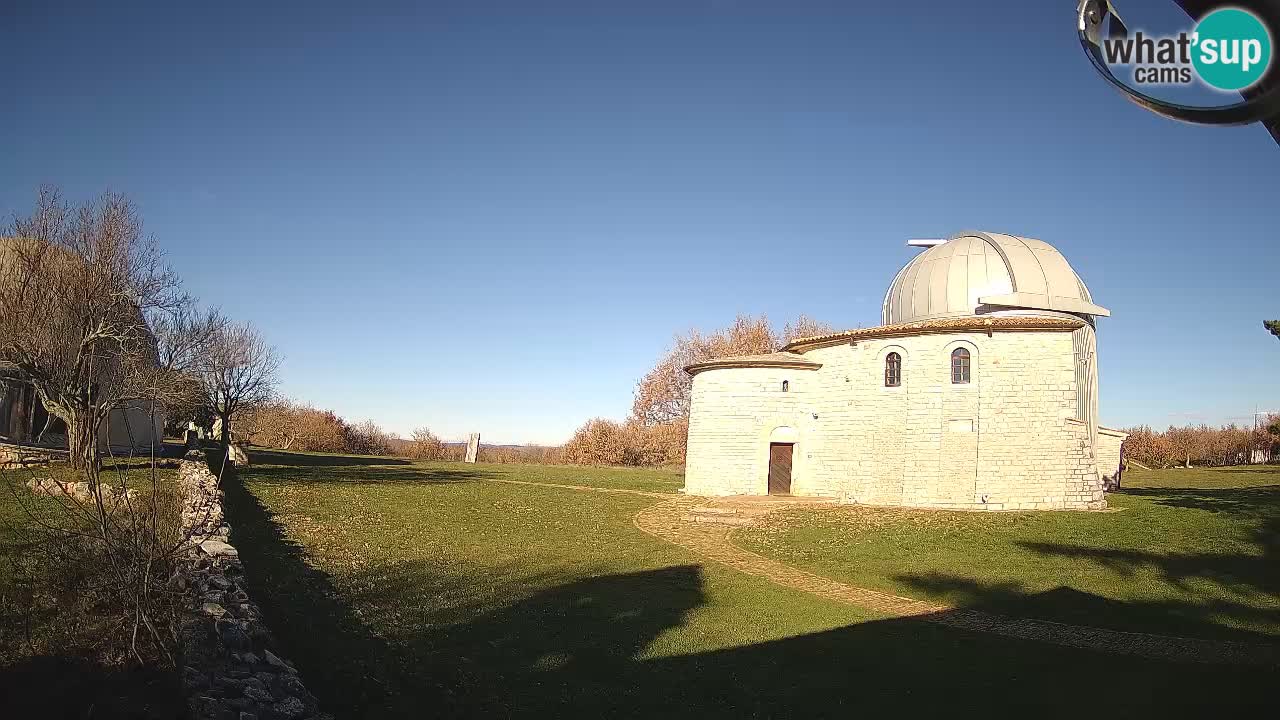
[230, 671]
[76, 490]
[19, 456]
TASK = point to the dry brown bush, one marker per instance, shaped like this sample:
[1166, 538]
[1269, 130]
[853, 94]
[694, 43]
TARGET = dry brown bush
[368, 438]
[455, 452]
[288, 425]
[1199, 445]
[656, 445]
[425, 445]
[520, 454]
[605, 442]
[597, 442]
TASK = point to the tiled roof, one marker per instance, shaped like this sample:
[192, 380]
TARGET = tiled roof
[990, 324]
[776, 360]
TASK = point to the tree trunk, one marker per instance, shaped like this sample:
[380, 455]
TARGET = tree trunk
[82, 445]
[225, 432]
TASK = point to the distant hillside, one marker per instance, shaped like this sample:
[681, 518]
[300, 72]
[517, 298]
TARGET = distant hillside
[400, 446]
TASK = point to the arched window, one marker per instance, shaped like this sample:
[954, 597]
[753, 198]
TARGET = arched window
[892, 370]
[959, 366]
[786, 385]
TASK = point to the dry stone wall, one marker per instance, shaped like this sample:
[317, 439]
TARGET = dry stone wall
[231, 669]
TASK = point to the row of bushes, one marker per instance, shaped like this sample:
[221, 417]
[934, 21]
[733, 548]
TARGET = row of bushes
[292, 426]
[1203, 445]
[424, 445]
[605, 442]
[598, 442]
[287, 425]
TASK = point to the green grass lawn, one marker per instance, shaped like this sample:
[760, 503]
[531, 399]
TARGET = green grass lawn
[347, 469]
[1190, 552]
[418, 589]
[51, 662]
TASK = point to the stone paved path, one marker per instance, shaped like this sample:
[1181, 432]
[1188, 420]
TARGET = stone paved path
[703, 525]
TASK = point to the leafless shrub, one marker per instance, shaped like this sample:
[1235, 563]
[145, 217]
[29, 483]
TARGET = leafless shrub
[368, 438]
[605, 442]
[92, 572]
[457, 452]
[519, 454]
[1200, 445]
[288, 425]
[656, 445]
[597, 442]
[425, 445]
[804, 327]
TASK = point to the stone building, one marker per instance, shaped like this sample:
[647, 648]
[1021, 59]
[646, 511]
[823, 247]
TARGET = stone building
[132, 428]
[979, 391]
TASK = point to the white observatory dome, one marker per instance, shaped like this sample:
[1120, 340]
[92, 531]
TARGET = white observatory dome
[979, 273]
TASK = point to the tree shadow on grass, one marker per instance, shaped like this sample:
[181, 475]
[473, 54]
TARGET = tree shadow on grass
[262, 456]
[576, 647]
[1261, 501]
[72, 688]
[1202, 619]
[276, 466]
[1250, 578]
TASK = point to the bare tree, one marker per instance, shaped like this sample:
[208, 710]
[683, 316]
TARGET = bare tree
[76, 287]
[805, 327]
[662, 395]
[238, 373]
[184, 340]
[184, 336]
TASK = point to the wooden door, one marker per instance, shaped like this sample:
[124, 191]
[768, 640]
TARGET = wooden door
[780, 468]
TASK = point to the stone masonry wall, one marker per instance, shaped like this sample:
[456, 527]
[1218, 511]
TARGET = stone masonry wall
[733, 412]
[1109, 443]
[231, 671]
[1003, 441]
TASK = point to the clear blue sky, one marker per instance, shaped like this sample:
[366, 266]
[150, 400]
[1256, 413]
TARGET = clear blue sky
[493, 216]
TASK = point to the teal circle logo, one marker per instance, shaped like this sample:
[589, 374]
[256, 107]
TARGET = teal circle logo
[1232, 49]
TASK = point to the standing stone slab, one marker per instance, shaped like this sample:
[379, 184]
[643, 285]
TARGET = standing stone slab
[473, 447]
